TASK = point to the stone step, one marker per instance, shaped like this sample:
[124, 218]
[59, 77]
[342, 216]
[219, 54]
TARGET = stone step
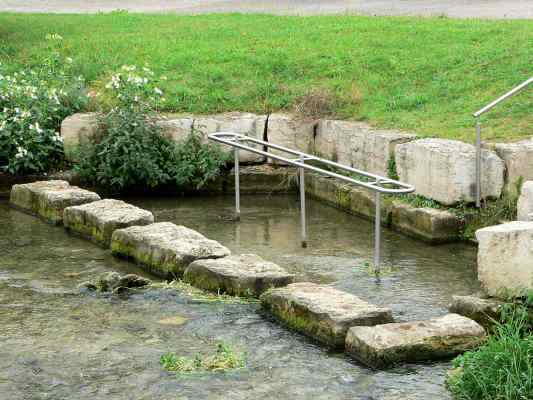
[48, 199]
[164, 248]
[322, 312]
[243, 275]
[443, 337]
[98, 220]
[482, 310]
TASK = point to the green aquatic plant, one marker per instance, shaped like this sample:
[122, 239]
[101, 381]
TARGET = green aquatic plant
[206, 297]
[224, 359]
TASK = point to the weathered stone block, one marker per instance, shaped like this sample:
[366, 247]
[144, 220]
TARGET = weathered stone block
[164, 248]
[48, 199]
[244, 275]
[384, 345]
[358, 145]
[429, 224]
[483, 311]
[76, 130]
[97, 221]
[444, 170]
[525, 202]
[518, 158]
[291, 132]
[505, 258]
[177, 128]
[255, 179]
[322, 312]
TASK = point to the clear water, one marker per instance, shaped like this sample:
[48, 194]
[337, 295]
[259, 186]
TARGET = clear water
[57, 343]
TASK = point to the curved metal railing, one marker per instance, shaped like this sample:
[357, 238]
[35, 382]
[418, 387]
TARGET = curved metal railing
[378, 184]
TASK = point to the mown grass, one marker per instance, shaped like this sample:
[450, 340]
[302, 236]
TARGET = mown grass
[423, 74]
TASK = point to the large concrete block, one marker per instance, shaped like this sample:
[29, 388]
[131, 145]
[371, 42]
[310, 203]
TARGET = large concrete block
[243, 275]
[164, 248]
[505, 258]
[445, 170]
[485, 311]
[384, 345]
[525, 202]
[76, 130]
[244, 123]
[518, 158]
[177, 128]
[98, 220]
[322, 312]
[358, 145]
[48, 199]
[291, 132]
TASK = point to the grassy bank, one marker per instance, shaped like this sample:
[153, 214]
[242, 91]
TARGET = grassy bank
[425, 75]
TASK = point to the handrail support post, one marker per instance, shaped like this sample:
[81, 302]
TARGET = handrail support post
[302, 203]
[237, 186]
[478, 163]
[377, 235]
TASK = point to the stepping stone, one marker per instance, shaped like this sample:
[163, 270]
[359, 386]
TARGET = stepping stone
[244, 275]
[48, 199]
[322, 312]
[164, 248]
[483, 311]
[384, 345]
[98, 220]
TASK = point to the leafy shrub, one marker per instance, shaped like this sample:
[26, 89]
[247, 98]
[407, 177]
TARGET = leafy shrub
[33, 102]
[502, 369]
[130, 149]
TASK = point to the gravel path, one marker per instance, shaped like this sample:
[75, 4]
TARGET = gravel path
[451, 8]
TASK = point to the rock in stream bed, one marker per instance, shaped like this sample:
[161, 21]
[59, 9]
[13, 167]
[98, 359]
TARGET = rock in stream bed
[384, 345]
[115, 283]
[164, 248]
[98, 220]
[242, 275]
[322, 312]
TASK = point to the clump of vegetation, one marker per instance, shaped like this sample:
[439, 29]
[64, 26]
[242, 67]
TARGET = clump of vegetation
[33, 102]
[317, 103]
[130, 149]
[502, 369]
[206, 297]
[224, 359]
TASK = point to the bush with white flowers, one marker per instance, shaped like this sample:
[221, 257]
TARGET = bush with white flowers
[33, 102]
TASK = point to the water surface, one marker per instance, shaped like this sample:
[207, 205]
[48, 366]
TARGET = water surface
[57, 343]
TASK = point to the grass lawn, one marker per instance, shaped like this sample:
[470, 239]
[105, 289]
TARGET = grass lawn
[425, 75]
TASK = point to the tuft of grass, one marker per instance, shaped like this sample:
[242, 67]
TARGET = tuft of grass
[205, 297]
[421, 74]
[502, 369]
[224, 359]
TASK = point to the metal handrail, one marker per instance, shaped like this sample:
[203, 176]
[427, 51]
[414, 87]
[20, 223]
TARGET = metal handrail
[477, 115]
[379, 184]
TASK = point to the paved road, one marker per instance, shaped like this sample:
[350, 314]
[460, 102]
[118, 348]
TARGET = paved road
[451, 8]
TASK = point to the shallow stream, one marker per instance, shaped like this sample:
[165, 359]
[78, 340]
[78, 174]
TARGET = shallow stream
[57, 343]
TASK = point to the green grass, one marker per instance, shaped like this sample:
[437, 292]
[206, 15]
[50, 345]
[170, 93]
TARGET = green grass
[422, 74]
[502, 369]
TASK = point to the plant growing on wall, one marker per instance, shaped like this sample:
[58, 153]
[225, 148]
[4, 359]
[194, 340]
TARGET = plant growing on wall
[33, 102]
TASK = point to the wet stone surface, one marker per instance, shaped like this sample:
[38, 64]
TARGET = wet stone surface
[322, 312]
[241, 275]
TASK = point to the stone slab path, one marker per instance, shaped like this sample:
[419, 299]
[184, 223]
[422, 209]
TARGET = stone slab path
[450, 8]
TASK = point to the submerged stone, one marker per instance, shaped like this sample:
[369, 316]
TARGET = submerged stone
[48, 199]
[116, 283]
[164, 248]
[483, 311]
[242, 275]
[97, 221]
[322, 312]
[443, 337]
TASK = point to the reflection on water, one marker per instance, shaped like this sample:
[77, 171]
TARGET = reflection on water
[56, 343]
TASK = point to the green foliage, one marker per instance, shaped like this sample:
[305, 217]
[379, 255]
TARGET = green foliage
[130, 149]
[33, 102]
[224, 359]
[502, 369]
[422, 74]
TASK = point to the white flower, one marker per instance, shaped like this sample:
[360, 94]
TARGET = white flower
[158, 91]
[69, 60]
[21, 152]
